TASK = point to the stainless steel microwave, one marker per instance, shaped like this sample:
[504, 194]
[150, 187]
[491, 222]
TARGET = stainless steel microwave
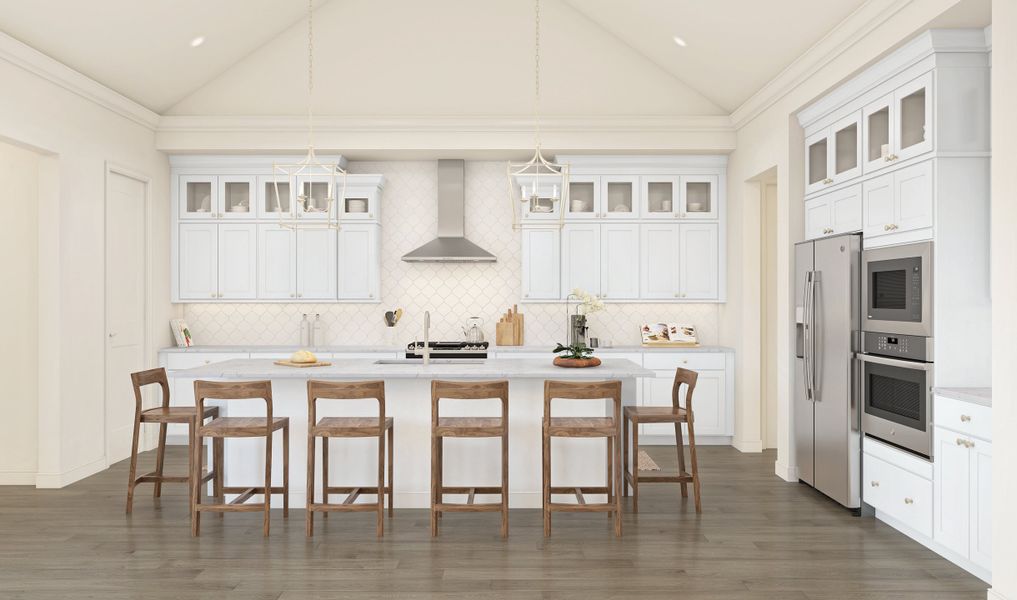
[897, 288]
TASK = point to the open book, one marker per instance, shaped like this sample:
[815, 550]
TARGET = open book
[669, 333]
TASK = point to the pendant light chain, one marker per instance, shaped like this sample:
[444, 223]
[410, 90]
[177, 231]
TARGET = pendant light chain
[536, 74]
[310, 72]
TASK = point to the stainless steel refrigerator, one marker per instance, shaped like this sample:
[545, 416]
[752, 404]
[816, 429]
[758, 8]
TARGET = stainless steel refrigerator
[827, 407]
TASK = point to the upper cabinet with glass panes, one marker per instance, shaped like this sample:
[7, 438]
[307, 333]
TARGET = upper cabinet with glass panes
[928, 99]
[361, 197]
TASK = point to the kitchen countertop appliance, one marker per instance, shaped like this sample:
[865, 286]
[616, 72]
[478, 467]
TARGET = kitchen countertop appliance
[826, 408]
[448, 349]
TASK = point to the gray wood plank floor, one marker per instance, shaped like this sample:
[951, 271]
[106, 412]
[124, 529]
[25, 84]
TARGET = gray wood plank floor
[758, 538]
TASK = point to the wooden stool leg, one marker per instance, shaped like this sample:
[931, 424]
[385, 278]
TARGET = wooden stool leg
[132, 475]
[218, 450]
[286, 472]
[610, 479]
[681, 456]
[268, 482]
[309, 519]
[635, 467]
[695, 466]
[625, 456]
[160, 461]
[391, 469]
[324, 474]
[504, 481]
[435, 483]
[381, 485]
[441, 473]
[195, 448]
[617, 498]
[546, 480]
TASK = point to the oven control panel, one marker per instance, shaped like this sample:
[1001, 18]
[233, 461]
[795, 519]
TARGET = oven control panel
[911, 347]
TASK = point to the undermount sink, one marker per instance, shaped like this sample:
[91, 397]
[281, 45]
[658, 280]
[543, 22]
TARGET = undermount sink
[434, 361]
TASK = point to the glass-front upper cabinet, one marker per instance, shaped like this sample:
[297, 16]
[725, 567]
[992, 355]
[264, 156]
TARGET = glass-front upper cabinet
[312, 200]
[236, 195]
[898, 126]
[817, 163]
[198, 196]
[275, 197]
[619, 196]
[698, 197]
[359, 202]
[833, 155]
[584, 197]
[660, 196]
[877, 142]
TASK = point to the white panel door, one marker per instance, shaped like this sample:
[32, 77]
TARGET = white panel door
[277, 258]
[708, 403]
[980, 547]
[698, 261]
[658, 261]
[846, 209]
[952, 480]
[541, 264]
[913, 197]
[198, 261]
[238, 264]
[657, 392]
[358, 262]
[316, 263]
[619, 275]
[580, 258]
[877, 206]
[818, 217]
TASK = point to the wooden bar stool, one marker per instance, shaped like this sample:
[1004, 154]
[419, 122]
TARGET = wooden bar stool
[662, 414]
[348, 427]
[240, 427]
[471, 427]
[574, 427]
[164, 414]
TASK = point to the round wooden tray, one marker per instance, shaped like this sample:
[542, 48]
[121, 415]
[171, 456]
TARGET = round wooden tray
[576, 363]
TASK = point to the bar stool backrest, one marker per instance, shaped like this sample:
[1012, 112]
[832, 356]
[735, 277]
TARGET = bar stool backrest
[348, 390]
[235, 390]
[689, 378]
[583, 390]
[143, 378]
[469, 390]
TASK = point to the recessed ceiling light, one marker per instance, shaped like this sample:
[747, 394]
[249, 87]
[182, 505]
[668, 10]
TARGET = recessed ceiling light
[680, 41]
[197, 41]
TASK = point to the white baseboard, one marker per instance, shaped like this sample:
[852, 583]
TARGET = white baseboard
[59, 480]
[785, 471]
[17, 477]
[748, 445]
[939, 549]
[992, 594]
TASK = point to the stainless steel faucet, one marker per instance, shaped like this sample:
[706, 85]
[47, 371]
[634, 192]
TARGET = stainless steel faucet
[426, 350]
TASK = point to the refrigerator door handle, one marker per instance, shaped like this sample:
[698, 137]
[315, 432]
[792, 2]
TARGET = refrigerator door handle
[807, 354]
[817, 339]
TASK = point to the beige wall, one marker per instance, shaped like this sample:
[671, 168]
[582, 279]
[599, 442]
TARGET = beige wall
[80, 136]
[19, 180]
[1004, 299]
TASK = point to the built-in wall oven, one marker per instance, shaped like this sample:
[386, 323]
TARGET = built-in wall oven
[897, 379]
[897, 289]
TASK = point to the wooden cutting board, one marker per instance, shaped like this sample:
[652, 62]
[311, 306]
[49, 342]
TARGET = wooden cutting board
[290, 363]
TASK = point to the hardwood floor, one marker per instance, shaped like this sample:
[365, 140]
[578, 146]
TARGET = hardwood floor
[757, 538]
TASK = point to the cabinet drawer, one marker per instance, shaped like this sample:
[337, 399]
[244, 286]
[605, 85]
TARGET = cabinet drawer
[187, 360]
[963, 417]
[898, 493]
[696, 361]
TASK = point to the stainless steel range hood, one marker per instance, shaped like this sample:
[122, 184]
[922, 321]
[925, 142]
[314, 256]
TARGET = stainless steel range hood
[451, 244]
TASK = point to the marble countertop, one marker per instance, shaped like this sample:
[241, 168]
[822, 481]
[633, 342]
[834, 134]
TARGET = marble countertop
[980, 396]
[531, 368]
[382, 348]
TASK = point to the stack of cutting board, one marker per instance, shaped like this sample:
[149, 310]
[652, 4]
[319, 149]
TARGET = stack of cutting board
[509, 330]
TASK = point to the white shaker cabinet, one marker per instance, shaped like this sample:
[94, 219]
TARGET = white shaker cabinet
[197, 197]
[316, 262]
[833, 154]
[897, 126]
[899, 202]
[580, 258]
[698, 261]
[699, 197]
[838, 212]
[710, 403]
[198, 261]
[358, 260]
[277, 257]
[541, 263]
[238, 273]
[619, 257]
[658, 261]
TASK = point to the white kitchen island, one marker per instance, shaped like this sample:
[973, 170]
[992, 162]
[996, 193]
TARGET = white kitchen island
[468, 462]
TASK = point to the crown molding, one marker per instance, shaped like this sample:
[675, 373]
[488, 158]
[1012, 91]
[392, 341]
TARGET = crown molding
[856, 26]
[24, 56]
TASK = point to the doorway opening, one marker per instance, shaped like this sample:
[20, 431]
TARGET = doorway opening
[768, 334]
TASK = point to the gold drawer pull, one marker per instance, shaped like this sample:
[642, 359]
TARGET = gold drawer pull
[965, 418]
[874, 483]
[908, 501]
[965, 443]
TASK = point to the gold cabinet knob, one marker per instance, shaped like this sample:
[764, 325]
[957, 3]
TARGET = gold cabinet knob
[965, 418]
[874, 483]
[909, 501]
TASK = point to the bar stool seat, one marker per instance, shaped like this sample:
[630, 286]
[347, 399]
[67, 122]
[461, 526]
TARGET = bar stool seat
[175, 414]
[654, 414]
[242, 426]
[350, 427]
[582, 426]
[469, 426]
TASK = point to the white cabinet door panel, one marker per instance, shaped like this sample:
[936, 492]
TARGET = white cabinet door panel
[980, 547]
[708, 403]
[316, 264]
[698, 259]
[619, 275]
[658, 261]
[877, 205]
[846, 210]
[541, 264]
[277, 278]
[912, 118]
[198, 259]
[358, 262]
[818, 217]
[913, 197]
[580, 258]
[952, 484]
[238, 265]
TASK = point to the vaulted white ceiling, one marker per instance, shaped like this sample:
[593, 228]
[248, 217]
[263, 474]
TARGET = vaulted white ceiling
[428, 57]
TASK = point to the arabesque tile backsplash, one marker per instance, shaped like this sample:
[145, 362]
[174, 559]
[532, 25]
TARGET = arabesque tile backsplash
[450, 291]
